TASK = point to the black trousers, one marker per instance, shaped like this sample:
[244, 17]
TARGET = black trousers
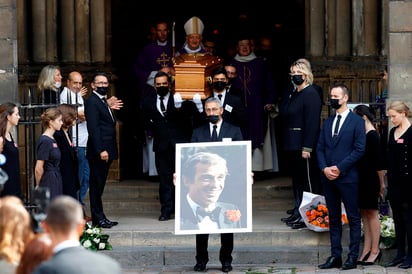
[98, 175]
[165, 165]
[226, 248]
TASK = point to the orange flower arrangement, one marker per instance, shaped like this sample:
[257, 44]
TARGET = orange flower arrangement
[317, 215]
[233, 215]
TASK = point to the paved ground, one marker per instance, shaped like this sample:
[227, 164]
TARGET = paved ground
[275, 268]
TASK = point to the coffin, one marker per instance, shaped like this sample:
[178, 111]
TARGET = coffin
[193, 74]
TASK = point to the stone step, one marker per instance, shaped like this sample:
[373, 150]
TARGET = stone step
[142, 196]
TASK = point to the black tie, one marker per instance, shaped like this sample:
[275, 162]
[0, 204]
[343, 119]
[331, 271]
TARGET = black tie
[336, 130]
[213, 215]
[220, 97]
[162, 106]
[214, 133]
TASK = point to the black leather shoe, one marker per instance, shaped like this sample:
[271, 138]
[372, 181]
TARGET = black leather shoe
[298, 225]
[103, 224]
[331, 262]
[199, 267]
[296, 221]
[405, 265]
[290, 218]
[113, 223]
[395, 262]
[164, 218]
[290, 211]
[350, 263]
[227, 267]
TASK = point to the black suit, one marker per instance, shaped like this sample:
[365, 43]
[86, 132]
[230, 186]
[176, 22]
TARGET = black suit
[234, 111]
[101, 126]
[203, 134]
[174, 128]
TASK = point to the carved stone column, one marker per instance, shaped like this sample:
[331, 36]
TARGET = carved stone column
[315, 27]
[98, 33]
[39, 30]
[68, 30]
[82, 19]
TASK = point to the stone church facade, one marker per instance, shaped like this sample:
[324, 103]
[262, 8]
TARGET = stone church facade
[346, 41]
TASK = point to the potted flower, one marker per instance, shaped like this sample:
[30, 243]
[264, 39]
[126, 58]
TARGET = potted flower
[93, 239]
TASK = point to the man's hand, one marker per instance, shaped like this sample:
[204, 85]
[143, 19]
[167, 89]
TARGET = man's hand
[114, 103]
[83, 91]
[178, 100]
[104, 156]
[332, 172]
[198, 102]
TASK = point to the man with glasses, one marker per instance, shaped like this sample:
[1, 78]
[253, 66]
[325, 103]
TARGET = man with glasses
[101, 145]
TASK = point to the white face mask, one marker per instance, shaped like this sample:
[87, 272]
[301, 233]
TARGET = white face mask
[57, 84]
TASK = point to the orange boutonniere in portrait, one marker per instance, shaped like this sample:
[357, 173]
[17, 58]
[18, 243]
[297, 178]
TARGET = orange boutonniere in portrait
[233, 215]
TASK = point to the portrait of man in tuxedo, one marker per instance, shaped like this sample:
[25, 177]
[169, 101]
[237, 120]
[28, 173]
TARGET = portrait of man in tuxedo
[205, 178]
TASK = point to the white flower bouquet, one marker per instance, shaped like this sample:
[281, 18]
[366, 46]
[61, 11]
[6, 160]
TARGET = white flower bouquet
[93, 239]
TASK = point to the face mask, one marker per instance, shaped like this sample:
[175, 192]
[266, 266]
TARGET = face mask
[219, 85]
[102, 90]
[213, 118]
[297, 79]
[162, 91]
[334, 103]
[57, 84]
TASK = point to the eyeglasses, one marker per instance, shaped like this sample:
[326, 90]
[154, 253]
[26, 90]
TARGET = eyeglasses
[101, 83]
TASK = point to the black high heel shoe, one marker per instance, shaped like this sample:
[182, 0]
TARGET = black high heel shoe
[361, 261]
[377, 259]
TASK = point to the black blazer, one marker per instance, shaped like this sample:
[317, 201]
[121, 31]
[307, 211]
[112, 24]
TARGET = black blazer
[176, 127]
[101, 127]
[234, 110]
[227, 130]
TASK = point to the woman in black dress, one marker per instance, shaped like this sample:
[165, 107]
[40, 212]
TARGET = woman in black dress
[9, 118]
[371, 188]
[47, 170]
[400, 181]
[68, 161]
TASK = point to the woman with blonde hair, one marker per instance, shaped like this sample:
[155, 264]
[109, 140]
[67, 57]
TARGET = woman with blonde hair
[15, 232]
[9, 118]
[49, 83]
[399, 181]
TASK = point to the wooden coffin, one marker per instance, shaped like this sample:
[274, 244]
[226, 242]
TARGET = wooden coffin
[192, 74]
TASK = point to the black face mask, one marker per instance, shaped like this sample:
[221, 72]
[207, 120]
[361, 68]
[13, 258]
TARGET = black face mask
[219, 85]
[162, 91]
[297, 79]
[102, 90]
[334, 103]
[212, 118]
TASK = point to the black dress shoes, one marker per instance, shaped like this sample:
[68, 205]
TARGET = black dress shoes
[226, 267]
[295, 221]
[113, 223]
[290, 211]
[405, 265]
[332, 262]
[103, 224]
[164, 218]
[290, 218]
[350, 263]
[395, 262]
[199, 267]
[298, 225]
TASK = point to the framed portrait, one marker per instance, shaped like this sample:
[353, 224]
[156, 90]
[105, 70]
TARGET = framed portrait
[213, 187]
